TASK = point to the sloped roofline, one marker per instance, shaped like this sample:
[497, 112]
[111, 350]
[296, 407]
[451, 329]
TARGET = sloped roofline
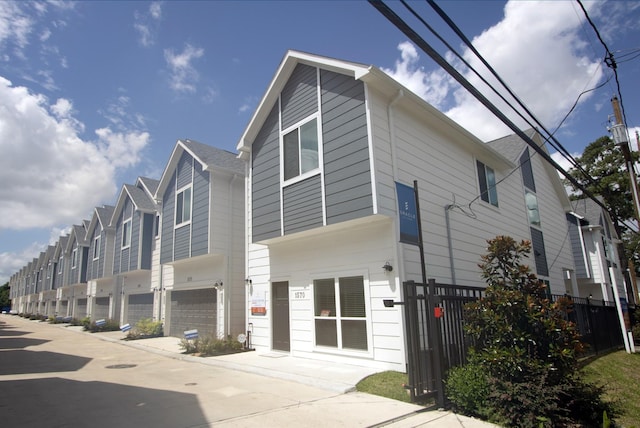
[368, 74]
[124, 193]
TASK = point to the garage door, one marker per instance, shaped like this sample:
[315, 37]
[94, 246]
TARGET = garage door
[101, 309]
[193, 309]
[81, 309]
[64, 305]
[140, 306]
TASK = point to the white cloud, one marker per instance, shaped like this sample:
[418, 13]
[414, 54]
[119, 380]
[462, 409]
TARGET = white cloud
[146, 24]
[537, 49]
[15, 26]
[183, 75]
[12, 262]
[432, 86]
[51, 176]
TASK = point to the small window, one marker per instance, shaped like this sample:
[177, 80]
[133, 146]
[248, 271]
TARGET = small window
[60, 260]
[532, 208]
[126, 234]
[96, 247]
[487, 181]
[74, 258]
[183, 206]
[300, 148]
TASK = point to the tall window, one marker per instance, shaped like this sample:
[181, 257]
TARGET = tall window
[487, 180]
[183, 206]
[60, 260]
[96, 247]
[126, 233]
[74, 258]
[340, 314]
[532, 208]
[300, 148]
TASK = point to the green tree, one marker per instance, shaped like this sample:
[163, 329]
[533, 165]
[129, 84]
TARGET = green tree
[526, 349]
[604, 162]
[4, 296]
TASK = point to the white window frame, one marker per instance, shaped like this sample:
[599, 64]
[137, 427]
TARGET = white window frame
[180, 192]
[297, 126]
[491, 190]
[96, 247]
[528, 193]
[74, 258]
[338, 316]
[60, 265]
[126, 234]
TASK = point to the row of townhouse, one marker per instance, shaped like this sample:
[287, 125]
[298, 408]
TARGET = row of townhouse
[298, 238]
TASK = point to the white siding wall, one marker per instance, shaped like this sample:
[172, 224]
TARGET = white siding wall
[442, 159]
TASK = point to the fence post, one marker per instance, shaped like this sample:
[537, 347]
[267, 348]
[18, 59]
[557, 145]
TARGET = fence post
[434, 333]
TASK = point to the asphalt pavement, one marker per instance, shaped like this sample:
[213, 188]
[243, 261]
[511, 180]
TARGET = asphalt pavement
[56, 375]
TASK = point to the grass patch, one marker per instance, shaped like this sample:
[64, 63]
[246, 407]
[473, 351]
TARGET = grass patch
[386, 384]
[619, 373]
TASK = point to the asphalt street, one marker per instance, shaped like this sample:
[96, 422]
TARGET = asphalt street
[52, 376]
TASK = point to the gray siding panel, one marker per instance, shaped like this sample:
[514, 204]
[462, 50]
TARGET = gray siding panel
[299, 97]
[303, 205]
[576, 247]
[147, 240]
[183, 170]
[265, 180]
[117, 256]
[134, 253]
[103, 253]
[181, 249]
[347, 170]
[200, 215]
[168, 215]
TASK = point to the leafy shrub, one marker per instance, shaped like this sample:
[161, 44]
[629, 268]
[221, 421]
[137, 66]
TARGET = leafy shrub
[526, 348]
[109, 325]
[145, 328]
[83, 322]
[209, 346]
[468, 388]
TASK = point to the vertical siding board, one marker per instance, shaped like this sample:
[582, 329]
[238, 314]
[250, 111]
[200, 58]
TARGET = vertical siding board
[181, 250]
[265, 180]
[134, 252]
[147, 239]
[168, 215]
[299, 96]
[200, 215]
[103, 253]
[183, 170]
[118, 246]
[347, 172]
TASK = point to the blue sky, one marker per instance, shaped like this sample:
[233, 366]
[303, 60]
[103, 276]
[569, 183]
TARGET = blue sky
[95, 94]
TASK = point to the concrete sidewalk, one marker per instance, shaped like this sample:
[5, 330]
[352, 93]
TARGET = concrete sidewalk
[341, 378]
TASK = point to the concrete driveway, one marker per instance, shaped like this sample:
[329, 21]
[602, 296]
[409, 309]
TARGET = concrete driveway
[54, 376]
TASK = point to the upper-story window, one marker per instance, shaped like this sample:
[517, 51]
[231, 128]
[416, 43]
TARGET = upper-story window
[183, 206]
[532, 208]
[96, 247]
[74, 258]
[300, 149]
[487, 181]
[126, 233]
[60, 260]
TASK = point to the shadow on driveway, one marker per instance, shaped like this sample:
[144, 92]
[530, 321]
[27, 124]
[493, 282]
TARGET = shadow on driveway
[63, 402]
[19, 361]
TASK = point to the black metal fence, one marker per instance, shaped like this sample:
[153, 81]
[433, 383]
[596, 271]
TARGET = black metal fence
[436, 342]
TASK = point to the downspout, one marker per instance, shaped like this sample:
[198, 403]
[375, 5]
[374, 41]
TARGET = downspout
[227, 292]
[448, 208]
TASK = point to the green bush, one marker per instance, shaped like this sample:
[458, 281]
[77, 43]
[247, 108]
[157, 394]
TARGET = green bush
[110, 325]
[526, 348]
[145, 328]
[468, 388]
[209, 346]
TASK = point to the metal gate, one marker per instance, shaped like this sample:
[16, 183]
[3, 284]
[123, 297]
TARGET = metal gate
[435, 337]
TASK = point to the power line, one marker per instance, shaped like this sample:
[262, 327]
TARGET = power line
[428, 49]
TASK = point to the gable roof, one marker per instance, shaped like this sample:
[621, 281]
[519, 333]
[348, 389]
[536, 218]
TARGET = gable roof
[512, 147]
[593, 213]
[61, 246]
[370, 75]
[79, 232]
[150, 184]
[101, 215]
[211, 158]
[141, 200]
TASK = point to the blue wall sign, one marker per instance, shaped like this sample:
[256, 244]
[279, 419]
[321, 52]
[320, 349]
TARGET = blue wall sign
[407, 214]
